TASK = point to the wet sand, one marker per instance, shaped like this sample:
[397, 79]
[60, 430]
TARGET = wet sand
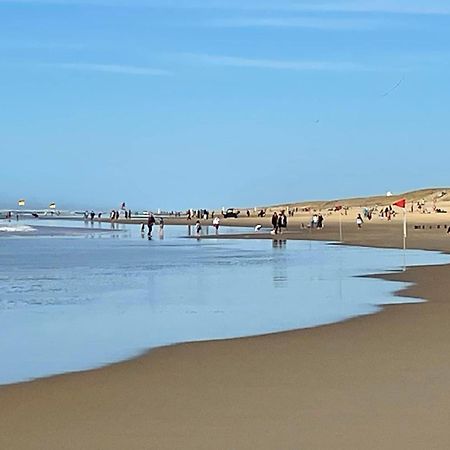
[374, 382]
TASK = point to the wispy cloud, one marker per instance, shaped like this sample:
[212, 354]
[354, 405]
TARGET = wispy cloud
[300, 22]
[111, 68]
[381, 6]
[276, 64]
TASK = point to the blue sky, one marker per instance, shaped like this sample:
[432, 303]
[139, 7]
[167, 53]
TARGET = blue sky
[177, 104]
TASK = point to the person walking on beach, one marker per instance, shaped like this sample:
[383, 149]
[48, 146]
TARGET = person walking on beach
[161, 228]
[359, 221]
[320, 222]
[216, 224]
[198, 227]
[150, 223]
[282, 221]
[275, 222]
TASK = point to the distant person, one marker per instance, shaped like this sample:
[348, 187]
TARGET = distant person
[359, 221]
[275, 222]
[92, 216]
[150, 222]
[161, 228]
[198, 227]
[216, 224]
[248, 213]
[143, 228]
[129, 213]
[282, 221]
[320, 222]
[126, 214]
[314, 221]
[100, 215]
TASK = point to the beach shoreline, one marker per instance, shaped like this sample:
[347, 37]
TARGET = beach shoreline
[270, 391]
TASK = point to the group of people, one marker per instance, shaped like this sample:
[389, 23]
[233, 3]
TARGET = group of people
[199, 214]
[215, 224]
[115, 215]
[279, 222]
[91, 215]
[151, 221]
[317, 221]
[387, 212]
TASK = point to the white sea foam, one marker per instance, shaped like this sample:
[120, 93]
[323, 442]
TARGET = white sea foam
[16, 229]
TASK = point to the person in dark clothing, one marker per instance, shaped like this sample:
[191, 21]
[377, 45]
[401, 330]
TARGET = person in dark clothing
[320, 222]
[282, 221]
[198, 227]
[275, 222]
[150, 222]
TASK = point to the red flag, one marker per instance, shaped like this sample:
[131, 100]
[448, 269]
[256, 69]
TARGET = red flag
[400, 203]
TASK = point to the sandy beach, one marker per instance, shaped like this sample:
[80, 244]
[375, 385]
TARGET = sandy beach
[374, 382]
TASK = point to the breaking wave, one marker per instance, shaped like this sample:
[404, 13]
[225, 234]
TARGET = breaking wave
[16, 229]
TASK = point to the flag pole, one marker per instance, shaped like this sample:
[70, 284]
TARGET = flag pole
[404, 229]
[404, 238]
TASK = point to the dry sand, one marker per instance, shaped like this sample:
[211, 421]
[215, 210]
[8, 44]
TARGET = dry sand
[375, 382]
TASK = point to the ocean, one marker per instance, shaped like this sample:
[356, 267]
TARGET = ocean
[75, 296]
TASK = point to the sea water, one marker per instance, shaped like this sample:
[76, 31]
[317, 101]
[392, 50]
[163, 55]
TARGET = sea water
[72, 301]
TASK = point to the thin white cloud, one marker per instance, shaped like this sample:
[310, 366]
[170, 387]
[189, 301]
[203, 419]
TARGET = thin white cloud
[111, 68]
[276, 64]
[300, 22]
[382, 6]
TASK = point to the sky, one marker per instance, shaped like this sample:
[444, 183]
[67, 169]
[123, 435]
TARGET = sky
[204, 103]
